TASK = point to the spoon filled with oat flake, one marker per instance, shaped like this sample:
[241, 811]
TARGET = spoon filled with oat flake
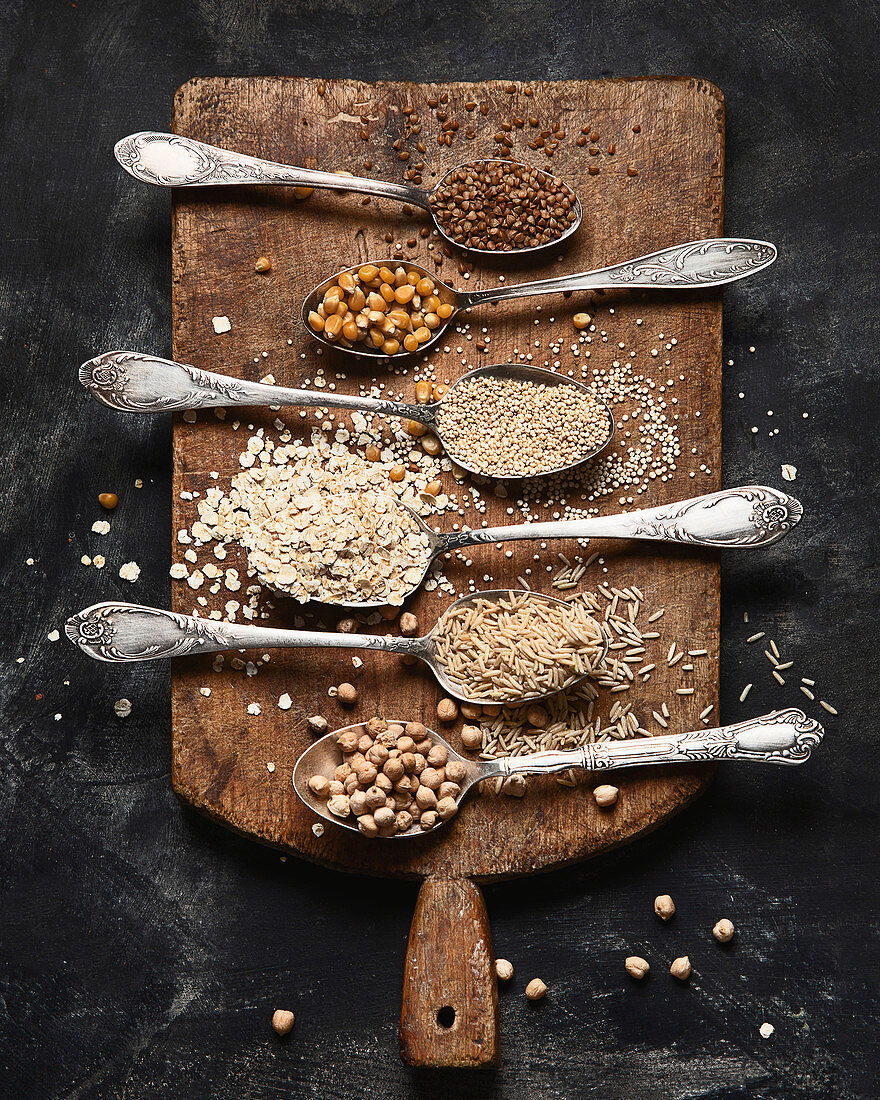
[488, 647]
[485, 206]
[394, 307]
[548, 422]
[399, 779]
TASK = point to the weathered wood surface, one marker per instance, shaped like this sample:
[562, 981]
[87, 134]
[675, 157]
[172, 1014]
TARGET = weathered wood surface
[450, 995]
[219, 751]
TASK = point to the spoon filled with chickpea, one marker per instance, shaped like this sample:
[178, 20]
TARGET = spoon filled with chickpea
[400, 780]
[484, 206]
[125, 632]
[394, 307]
[554, 423]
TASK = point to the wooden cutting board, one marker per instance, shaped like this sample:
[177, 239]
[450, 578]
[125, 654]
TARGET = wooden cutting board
[671, 131]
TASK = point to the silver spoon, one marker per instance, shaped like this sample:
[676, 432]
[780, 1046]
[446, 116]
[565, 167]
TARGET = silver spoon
[782, 737]
[170, 160]
[133, 382]
[695, 265]
[121, 632]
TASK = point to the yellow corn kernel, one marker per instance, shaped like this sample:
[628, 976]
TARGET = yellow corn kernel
[316, 322]
[368, 273]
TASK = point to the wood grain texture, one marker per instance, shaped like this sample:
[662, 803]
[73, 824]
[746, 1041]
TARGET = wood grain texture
[219, 751]
[450, 1008]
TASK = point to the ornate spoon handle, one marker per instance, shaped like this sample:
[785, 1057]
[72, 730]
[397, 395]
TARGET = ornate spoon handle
[169, 160]
[781, 737]
[132, 382]
[711, 262]
[749, 515]
[121, 632]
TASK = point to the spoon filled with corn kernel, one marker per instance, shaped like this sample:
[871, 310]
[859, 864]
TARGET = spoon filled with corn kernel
[530, 645]
[550, 423]
[484, 206]
[400, 779]
[394, 307]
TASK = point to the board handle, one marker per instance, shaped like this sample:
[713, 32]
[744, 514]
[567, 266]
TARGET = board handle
[450, 993]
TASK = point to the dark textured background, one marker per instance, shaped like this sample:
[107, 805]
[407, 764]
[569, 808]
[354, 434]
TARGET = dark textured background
[142, 949]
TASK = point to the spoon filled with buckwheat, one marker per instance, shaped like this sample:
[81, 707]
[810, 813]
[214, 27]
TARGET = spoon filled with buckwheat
[484, 206]
[400, 779]
[393, 307]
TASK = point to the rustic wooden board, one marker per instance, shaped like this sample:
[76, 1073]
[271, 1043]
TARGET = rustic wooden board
[219, 750]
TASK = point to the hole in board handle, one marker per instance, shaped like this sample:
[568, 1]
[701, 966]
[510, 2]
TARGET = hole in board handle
[446, 1016]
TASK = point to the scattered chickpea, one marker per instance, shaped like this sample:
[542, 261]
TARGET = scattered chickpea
[537, 716]
[723, 930]
[664, 906]
[681, 968]
[347, 694]
[263, 264]
[605, 795]
[503, 970]
[636, 967]
[536, 989]
[514, 786]
[317, 724]
[108, 500]
[447, 710]
[471, 737]
[409, 624]
[582, 321]
[282, 1021]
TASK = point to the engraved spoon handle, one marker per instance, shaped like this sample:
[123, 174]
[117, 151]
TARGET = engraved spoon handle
[134, 382]
[781, 737]
[169, 160]
[747, 516]
[706, 263]
[121, 632]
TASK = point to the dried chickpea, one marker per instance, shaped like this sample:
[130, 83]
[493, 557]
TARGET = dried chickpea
[446, 808]
[347, 694]
[428, 820]
[416, 730]
[605, 795]
[536, 989]
[409, 624]
[664, 906]
[636, 966]
[581, 321]
[681, 968]
[319, 785]
[348, 740]
[448, 790]
[723, 930]
[367, 825]
[317, 724]
[282, 1021]
[455, 771]
[447, 710]
[514, 786]
[503, 970]
[471, 737]
[338, 804]
[425, 798]
[471, 711]
[437, 756]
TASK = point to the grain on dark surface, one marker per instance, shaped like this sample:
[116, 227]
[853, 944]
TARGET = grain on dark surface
[144, 949]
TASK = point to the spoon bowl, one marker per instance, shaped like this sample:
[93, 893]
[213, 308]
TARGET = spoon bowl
[785, 737]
